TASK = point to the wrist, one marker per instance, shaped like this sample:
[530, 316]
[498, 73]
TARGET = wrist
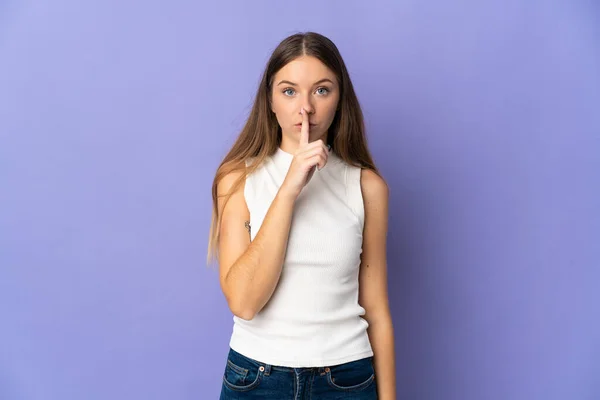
[287, 194]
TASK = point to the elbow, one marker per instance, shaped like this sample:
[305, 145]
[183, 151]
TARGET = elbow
[242, 309]
[238, 304]
[247, 315]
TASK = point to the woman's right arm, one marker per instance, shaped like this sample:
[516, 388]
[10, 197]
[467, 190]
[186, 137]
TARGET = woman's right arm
[249, 270]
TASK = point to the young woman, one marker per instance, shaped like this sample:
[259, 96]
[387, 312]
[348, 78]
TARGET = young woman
[299, 229]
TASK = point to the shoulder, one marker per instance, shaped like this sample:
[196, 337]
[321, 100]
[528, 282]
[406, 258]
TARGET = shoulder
[230, 180]
[374, 187]
[375, 193]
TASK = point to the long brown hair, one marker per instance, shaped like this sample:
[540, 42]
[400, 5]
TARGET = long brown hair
[261, 134]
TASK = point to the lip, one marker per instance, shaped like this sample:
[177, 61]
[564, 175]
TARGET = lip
[308, 125]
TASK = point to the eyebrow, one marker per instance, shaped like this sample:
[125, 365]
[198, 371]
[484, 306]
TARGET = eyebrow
[295, 84]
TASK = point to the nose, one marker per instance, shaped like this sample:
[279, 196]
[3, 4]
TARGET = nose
[307, 105]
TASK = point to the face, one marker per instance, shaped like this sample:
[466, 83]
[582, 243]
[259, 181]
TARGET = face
[304, 83]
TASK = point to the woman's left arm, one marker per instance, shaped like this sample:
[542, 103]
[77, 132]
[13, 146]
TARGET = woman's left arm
[373, 293]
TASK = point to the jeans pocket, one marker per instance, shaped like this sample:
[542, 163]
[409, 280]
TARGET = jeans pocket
[242, 374]
[352, 376]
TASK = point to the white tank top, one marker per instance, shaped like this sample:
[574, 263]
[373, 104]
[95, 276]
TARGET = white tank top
[313, 318]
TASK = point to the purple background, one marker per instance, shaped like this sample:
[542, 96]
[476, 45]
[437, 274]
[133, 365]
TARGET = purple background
[483, 117]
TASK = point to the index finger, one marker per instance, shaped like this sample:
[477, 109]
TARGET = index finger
[304, 129]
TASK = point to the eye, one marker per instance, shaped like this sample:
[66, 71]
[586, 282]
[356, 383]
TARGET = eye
[323, 90]
[286, 92]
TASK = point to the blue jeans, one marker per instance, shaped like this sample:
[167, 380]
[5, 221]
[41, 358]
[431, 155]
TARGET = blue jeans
[245, 378]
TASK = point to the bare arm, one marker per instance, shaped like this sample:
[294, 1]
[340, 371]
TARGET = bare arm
[373, 293]
[249, 271]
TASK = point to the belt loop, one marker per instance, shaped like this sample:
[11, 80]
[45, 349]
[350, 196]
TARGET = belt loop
[267, 369]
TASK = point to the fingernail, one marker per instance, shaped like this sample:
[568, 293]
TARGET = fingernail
[302, 111]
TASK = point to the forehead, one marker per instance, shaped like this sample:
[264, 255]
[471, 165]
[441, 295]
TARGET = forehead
[304, 70]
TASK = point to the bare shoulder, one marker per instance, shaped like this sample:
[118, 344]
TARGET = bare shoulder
[374, 188]
[230, 195]
[229, 180]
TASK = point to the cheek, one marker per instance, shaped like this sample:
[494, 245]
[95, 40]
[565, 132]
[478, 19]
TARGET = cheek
[330, 110]
[284, 110]
[279, 106]
[330, 104]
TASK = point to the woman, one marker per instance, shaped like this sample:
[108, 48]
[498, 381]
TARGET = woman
[299, 229]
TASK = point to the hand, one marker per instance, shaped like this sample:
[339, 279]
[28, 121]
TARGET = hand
[308, 157]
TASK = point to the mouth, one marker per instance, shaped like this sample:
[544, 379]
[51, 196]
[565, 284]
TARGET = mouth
[310, 125]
